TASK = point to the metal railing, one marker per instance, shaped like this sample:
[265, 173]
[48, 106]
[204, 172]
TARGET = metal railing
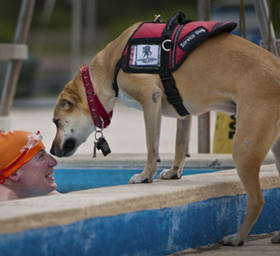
[15, 53]
[263, 11]
[204, 13]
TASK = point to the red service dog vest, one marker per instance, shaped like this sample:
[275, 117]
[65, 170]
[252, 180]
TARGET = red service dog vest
[142, 53]
[157, 47]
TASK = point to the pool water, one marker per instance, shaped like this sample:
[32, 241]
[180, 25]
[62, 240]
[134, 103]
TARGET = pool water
[80, 179]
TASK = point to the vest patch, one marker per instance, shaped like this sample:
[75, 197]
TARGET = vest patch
[145, 55]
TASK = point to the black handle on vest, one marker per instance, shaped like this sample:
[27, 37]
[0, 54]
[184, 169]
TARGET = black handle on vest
[178, 18]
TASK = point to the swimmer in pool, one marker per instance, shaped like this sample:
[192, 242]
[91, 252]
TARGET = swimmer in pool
[26, 169]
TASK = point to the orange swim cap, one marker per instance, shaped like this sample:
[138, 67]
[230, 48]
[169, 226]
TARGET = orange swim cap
[16, 149]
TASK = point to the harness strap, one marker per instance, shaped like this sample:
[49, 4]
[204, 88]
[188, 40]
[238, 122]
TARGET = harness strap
[168, 82]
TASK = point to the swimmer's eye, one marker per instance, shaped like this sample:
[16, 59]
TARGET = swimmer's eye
[40, 156]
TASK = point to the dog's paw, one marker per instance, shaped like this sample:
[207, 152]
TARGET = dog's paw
[276, 238]
[232, 240]
[140, 178]
[169, 174]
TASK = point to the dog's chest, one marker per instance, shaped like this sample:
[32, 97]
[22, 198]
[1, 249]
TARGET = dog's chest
[167, 109]
[128, 100]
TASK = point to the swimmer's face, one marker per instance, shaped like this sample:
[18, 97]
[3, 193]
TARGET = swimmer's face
[36, 176]
[72, 119]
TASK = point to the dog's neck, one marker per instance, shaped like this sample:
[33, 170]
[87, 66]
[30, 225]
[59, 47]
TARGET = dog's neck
[102, 68]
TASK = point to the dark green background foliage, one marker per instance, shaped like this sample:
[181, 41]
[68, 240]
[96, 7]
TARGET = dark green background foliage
[48, 67]
[113, 16]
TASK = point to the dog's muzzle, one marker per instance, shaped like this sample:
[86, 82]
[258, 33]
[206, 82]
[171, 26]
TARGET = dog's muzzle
[67, 149]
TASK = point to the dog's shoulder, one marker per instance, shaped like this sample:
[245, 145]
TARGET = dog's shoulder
[130, 30]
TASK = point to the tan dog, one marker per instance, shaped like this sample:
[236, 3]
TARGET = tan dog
[227, 73]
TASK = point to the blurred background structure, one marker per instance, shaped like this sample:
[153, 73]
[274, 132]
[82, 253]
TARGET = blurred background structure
[67, 33]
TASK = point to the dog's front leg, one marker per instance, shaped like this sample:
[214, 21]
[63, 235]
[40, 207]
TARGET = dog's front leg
[182, 142]
[152, 115]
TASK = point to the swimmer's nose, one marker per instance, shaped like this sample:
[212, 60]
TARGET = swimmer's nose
[52, 161]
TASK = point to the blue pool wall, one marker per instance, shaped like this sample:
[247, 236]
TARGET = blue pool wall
[79, 179]
[150, 232]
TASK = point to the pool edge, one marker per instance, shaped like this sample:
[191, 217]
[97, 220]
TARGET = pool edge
[24, 214]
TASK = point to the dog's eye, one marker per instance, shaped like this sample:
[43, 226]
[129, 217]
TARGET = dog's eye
[65, 104]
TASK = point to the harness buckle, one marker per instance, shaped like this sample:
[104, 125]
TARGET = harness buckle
[164, 47]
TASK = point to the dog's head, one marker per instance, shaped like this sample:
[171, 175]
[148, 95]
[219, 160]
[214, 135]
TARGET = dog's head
[72, 119]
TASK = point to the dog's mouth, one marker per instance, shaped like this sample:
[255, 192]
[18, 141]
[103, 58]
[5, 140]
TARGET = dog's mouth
[68, 148]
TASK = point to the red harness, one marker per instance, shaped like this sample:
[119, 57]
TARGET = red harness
[100, 117]
[183, 40]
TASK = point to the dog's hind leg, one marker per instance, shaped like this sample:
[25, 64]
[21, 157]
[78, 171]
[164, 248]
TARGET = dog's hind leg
[152, 116]
[182, 143]
[276, 153]
[254, 136]
[276, 238]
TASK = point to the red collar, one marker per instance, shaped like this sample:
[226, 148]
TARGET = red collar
[99, 115]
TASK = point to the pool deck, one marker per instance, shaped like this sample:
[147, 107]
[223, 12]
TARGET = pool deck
[131, 160]
[258, 245]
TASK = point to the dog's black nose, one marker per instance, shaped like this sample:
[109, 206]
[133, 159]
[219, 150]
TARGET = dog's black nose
[69, 145]
[52, 151]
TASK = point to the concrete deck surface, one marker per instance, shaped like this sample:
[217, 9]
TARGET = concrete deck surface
[256, 246]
